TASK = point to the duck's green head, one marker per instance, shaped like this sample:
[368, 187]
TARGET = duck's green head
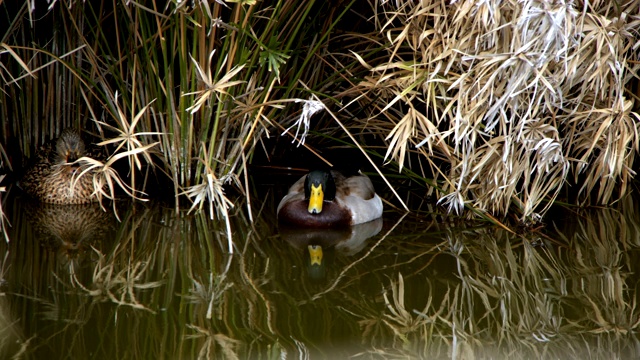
[318, 187]
[69, 147]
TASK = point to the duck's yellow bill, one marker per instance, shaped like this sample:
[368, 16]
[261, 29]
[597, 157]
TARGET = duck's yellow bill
[315, 254]
[315, 199]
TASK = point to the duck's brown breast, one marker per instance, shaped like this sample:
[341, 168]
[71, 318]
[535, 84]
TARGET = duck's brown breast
[332, 215]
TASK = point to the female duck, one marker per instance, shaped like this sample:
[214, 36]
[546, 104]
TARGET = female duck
[329, 199]
[55, 169]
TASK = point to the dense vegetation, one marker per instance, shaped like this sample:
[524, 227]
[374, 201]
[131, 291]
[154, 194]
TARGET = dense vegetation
[498, 106]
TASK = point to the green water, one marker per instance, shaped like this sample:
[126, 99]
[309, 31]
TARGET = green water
[77, 283]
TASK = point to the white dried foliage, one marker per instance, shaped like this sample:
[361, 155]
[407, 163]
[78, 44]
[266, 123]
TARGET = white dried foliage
[516, 98]
[309, 108]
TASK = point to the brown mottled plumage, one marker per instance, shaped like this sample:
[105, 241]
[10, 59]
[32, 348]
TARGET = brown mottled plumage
[70, 231]
[49, 179]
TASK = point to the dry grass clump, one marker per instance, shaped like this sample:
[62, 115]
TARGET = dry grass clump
[506, 101]
[182, 91]
[502, 103]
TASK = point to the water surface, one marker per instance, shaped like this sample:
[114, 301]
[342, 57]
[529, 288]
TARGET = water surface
[78, 283]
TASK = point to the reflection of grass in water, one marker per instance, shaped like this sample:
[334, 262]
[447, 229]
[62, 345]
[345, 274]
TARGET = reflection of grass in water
[601, 266]
[164, 286]
[556, 300]
[154, 257]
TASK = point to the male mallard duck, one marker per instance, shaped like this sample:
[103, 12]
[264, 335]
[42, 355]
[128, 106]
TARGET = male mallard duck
[50, 178]
[329, 199]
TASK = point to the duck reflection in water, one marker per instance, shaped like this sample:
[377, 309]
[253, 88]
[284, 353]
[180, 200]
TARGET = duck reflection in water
[318, 243]
[69, 231]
